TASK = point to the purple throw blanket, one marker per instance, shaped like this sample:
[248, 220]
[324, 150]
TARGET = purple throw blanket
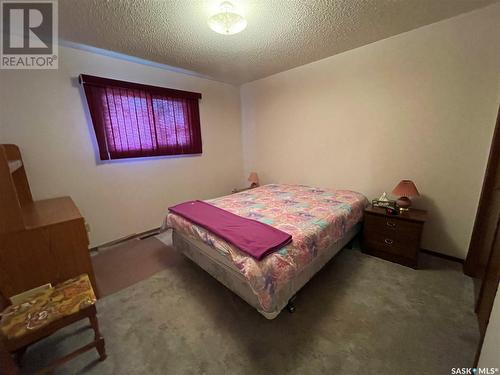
[253, 237]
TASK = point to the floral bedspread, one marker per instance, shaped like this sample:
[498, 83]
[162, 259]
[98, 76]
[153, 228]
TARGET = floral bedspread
[316, 218]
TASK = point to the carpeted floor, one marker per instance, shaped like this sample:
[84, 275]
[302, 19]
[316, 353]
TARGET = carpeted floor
[125, 264]
[359, 315]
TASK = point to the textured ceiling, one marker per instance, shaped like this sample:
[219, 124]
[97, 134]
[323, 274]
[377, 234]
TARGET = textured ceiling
[281, 34]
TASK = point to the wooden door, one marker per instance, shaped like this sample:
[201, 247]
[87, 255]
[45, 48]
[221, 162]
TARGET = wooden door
[488, 291]
[489, 284]
[487, 213]
[483, 258]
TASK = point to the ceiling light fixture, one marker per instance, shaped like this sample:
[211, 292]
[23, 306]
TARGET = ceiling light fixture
[227, 21]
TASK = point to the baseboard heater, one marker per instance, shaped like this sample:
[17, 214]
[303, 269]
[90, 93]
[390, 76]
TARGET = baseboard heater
[140, 236]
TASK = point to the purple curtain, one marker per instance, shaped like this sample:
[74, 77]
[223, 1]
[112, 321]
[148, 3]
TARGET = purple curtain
[133, 120]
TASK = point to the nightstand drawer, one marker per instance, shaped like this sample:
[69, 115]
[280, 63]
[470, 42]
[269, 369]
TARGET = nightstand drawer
[392, 227]
[393, 244]
[395, 238]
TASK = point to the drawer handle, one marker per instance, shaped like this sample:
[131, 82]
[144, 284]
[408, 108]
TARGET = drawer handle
[391, 224]
[388, 241]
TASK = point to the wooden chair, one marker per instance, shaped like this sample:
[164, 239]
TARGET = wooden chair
[44, 313]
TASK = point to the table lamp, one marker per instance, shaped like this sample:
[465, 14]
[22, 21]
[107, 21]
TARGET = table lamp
[254, 179]
[405, 189]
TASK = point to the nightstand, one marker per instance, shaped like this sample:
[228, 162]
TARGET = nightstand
[236, 190]
[393, 237]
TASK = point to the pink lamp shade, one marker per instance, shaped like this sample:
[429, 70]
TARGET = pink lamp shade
[254, 179]
[405, 189]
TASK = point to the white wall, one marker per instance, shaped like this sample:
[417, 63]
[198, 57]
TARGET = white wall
[43, 112]
[490, 352]
[421, 105]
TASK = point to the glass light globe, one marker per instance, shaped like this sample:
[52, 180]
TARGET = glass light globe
[227, 21]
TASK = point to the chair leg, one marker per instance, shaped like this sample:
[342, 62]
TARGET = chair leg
[7, 364]
[99, 340]
[19, 354]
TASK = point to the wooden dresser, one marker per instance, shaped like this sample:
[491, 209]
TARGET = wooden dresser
[393, 237]
[40, 241]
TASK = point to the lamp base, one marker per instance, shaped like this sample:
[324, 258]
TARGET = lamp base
[404, 203]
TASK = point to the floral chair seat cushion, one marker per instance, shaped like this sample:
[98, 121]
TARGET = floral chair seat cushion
[49, 305]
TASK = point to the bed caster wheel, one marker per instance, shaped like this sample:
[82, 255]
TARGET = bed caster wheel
[291, 304]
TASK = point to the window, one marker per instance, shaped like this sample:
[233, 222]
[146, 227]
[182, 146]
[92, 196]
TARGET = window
[133, 120]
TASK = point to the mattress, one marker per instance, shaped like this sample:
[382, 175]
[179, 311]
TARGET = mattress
[228, 275]
[316, 218]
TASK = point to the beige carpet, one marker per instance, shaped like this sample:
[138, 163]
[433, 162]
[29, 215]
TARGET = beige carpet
[127, 263]
[359, 315]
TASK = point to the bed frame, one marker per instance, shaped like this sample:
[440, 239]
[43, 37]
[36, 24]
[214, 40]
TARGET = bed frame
[223, 270]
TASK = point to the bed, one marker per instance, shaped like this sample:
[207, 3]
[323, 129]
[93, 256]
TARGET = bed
[321, 222]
